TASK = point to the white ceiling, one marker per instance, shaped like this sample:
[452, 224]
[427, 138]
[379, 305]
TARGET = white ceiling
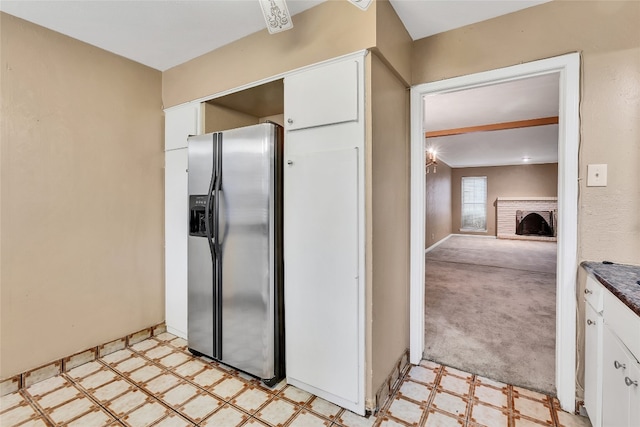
[523, 99]
[157, 33]
[166, 33]
[423, 18]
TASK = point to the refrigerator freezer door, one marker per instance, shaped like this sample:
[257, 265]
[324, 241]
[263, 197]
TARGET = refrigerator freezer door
[246, 230]
[200, 295]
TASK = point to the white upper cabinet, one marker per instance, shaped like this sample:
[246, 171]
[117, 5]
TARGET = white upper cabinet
[179, 123]
[322, 96]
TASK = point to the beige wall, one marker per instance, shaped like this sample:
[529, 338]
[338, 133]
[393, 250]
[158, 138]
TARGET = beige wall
[438, 204]
[217, 118]
[330, 29]
[504, 181]
[393, 42]
[390, 204]
[82, 196]
[608, 36]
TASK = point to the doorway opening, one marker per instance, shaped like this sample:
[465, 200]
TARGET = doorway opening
[567, 68]
[490, 303]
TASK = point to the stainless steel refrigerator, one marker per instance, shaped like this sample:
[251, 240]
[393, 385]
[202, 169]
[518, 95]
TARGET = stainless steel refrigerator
[235, 265]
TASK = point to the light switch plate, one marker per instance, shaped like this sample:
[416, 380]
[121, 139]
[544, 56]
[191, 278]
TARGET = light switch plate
[596, 175]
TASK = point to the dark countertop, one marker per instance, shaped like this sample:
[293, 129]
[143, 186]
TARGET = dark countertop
[622, 280]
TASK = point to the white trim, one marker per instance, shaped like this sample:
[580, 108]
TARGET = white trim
[568, 67]
[417, 230]
[436, 244]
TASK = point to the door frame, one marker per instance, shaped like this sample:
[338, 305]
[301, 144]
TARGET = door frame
[568, 67]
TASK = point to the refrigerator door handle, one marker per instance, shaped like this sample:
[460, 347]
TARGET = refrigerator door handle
[217, 188]
[211, 207]
[210, 217]
[217, 250]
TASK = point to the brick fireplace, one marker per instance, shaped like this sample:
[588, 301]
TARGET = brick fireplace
[511, 211]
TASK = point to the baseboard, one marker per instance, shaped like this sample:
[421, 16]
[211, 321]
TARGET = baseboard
[436, 244]
[177, 332]
[391, 384]
[56, 367]
[482, 236]
[441, 241]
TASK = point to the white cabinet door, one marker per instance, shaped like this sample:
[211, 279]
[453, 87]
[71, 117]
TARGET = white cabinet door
[634, 393]
[324, 95]
[615, 393]
[593, 365]
[321, 255]
[175, 231]
[179, 123]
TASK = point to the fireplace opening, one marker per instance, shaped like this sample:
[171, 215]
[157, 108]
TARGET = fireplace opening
[534, 223]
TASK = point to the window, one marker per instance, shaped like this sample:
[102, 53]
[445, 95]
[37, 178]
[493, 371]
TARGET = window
[474, 203]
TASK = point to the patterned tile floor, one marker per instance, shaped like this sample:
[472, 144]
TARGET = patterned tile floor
[158, 383]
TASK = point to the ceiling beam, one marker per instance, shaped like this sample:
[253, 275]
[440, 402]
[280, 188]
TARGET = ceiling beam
[496, 126]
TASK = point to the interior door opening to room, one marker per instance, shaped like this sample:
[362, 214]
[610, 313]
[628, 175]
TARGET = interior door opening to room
[567, 68]
[492, 156]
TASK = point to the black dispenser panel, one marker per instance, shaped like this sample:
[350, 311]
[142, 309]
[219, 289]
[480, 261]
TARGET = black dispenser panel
[197, 216]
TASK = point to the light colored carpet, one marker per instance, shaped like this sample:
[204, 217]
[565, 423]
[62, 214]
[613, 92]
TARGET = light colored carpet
[490, 309]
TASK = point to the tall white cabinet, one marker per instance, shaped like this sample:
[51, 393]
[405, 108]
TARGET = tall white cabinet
[324, 227]
[324, 231]
[180, 122]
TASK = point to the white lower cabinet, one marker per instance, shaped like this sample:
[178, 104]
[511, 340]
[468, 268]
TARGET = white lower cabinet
[322, 273]
[621, 376]
[634, 395]
[593, 365]
[175, 232]
[612, 370]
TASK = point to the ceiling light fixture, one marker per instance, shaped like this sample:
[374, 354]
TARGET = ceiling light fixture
[276, 15]
[362, 4]
[526, 159]
[431, 159]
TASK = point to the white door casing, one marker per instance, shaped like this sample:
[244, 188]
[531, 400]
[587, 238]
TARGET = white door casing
[568, 67]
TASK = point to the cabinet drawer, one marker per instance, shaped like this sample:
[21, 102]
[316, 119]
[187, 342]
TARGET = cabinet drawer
[623, 322]
[594, 294]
